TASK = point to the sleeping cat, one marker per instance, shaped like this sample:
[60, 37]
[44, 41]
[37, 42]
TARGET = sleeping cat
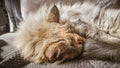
[62, 32]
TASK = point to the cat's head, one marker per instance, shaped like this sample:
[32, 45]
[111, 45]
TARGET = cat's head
[54, 41]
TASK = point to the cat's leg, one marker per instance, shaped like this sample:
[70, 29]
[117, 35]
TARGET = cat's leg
[107, 38]
[100, 51]
[91, 31]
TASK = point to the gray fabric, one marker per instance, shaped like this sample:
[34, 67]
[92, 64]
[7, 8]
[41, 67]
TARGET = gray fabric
[10, 58]
[4, 26]
[14, 12]
[2, 17]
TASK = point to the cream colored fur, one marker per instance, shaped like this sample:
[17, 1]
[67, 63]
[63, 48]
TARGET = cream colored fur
[105, 21]
[44, 38]
[88, 19]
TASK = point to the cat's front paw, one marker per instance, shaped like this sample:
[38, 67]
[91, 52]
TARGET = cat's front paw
[60, 52]
[65, 49]
[57, 51]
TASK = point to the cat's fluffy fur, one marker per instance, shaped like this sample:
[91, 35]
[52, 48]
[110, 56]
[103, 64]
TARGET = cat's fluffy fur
[44, 38]
[89, 20]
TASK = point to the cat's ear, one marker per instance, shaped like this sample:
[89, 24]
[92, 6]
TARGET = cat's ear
[54, 14]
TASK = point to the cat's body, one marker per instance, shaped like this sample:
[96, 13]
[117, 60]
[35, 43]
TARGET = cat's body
[91, 21]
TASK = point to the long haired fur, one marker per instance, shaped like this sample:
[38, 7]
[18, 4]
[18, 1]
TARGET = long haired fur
[51, 34]
[44, 38]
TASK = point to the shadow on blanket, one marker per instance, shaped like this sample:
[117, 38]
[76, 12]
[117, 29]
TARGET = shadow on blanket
[10, 61]
[2, 43]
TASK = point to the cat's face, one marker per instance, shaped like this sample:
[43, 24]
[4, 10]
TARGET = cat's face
[54, 41]
[61, 43]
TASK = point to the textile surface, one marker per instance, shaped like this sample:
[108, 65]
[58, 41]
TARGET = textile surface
[10, 58]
